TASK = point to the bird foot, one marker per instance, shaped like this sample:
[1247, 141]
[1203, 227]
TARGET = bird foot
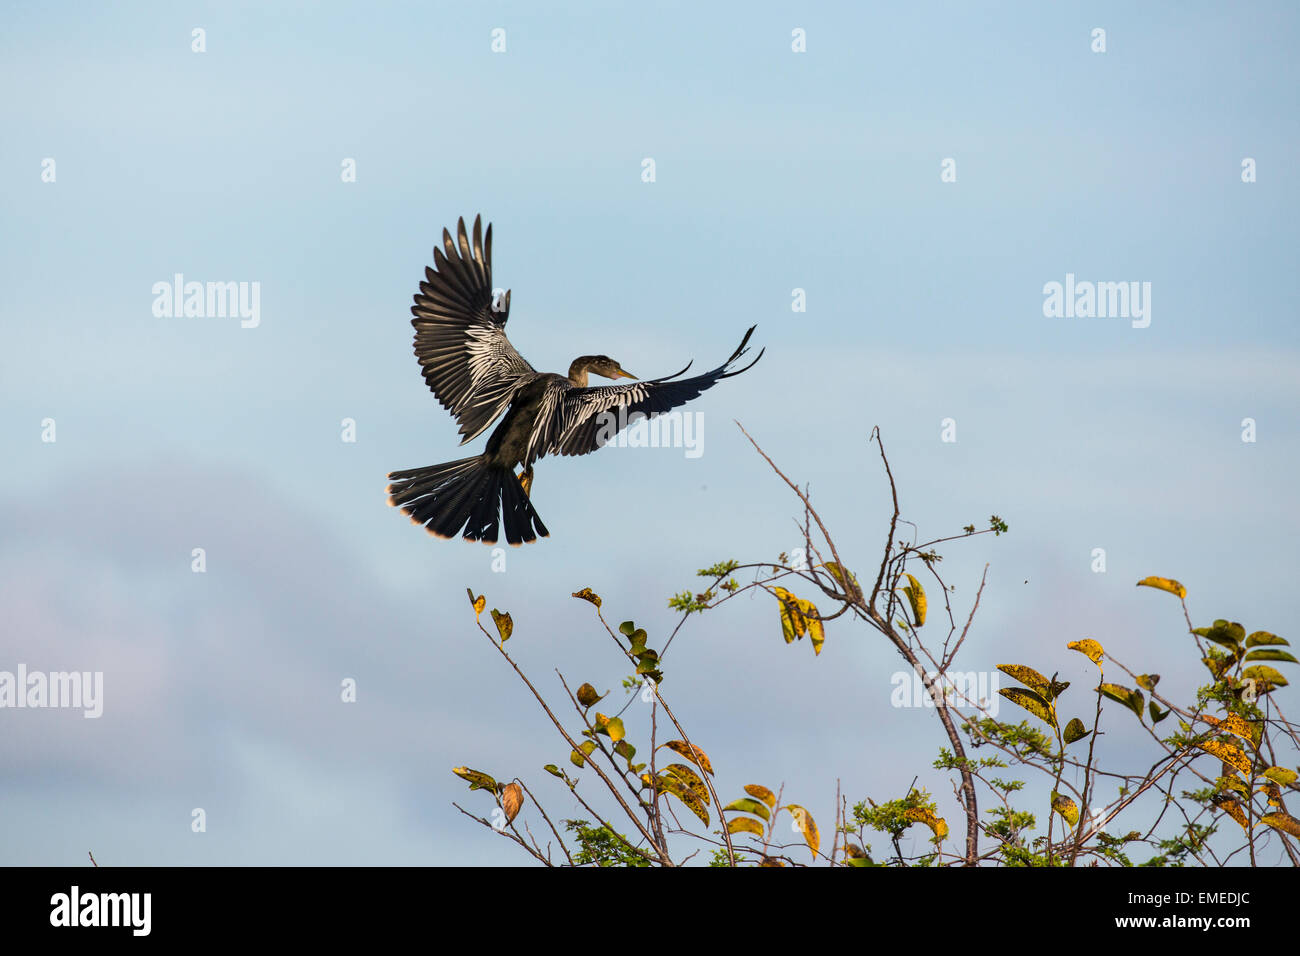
[526, 480]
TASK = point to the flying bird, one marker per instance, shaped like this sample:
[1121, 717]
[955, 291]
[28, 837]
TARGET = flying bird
[476, 374]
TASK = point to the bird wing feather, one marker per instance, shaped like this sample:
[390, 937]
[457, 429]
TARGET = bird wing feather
[460, 337]
[592, 416]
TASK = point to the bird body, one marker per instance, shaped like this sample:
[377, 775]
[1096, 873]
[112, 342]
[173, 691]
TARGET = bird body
[477, 375]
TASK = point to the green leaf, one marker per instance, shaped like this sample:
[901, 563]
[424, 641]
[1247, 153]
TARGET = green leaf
[1270, 654]
[1075, 730]
[478, 780]
[1264, 637]
[1264, 675]
[1132, 699]
[1281, 775]
[505, 626]
[576, 758]
[749, 805]
[1224, 633]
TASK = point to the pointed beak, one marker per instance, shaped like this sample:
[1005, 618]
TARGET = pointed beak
[623, 373]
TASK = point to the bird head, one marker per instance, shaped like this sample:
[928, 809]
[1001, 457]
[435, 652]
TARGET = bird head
[601, 365]
[605, 366]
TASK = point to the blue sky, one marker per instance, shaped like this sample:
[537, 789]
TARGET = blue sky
[774, 171]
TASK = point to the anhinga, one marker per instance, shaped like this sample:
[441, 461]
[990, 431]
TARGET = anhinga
[477, 375]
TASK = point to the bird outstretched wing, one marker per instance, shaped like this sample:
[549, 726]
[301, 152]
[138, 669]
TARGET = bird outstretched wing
[460, 336]
[589, 417]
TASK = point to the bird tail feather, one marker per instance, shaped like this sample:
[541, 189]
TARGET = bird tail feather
[468, 494]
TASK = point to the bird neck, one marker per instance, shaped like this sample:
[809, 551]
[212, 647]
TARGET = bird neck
[578, 372]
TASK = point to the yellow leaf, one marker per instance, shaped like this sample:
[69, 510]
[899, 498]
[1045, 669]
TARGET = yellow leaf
[682, 793]
[799, 618]
[1089, 649]
[922, 815]
[1030, 678]
[505, 626]
[587, 695]
[1032, 702]
[807, 827]
[1066, 808]
[512, 799]
[477, 603]
[1228, 753]
[1282, 775]
[690, 779]
[694, 754]
[1164, 584]
[613, 726]
[916, 597]
[1231, 782]
[587, 594]
[764, 794]
[1282, 821]
[793, 624]
[1233, 724]
[816, 632]
[1233, 809]
[744, 825]
[848, 581]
